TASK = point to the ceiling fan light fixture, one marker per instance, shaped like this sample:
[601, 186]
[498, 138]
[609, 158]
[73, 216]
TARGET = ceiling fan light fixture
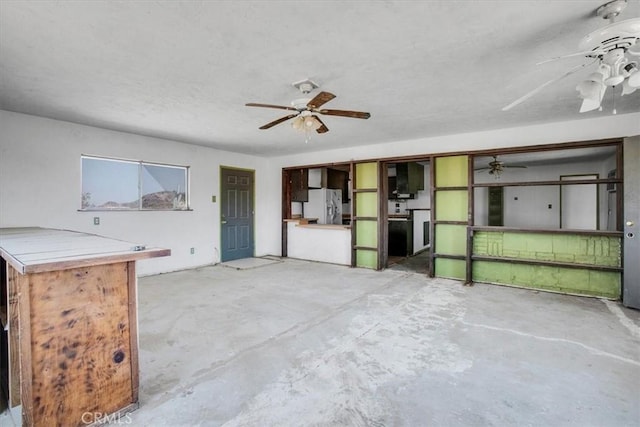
[311, 123]
[298, 123]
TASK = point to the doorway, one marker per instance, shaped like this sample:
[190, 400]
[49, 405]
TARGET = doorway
[236, 213]
[408, 215]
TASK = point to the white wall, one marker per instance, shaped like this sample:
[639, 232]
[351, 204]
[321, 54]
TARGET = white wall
[40, 186]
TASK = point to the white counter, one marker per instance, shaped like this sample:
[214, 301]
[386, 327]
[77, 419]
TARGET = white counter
[319, 242]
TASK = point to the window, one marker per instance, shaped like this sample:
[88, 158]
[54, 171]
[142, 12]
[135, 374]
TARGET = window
[110, 184]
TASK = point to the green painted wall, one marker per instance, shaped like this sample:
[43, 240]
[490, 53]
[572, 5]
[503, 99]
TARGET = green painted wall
[578, 249]
[367, 175]
[450, 268]
[367, 233]
[452, 171]
[451, 239]
[366, 206]
[451, 205]
[575, 249]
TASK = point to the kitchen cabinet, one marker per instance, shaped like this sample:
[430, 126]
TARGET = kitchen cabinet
[334, 179]
[69, 305]
[400, 237]
[339, 180]
[298, 179]
[409, 177]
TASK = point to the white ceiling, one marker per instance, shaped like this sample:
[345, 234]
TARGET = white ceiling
[184, 70]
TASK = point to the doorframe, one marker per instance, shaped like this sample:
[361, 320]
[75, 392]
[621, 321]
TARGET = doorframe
[253, 205]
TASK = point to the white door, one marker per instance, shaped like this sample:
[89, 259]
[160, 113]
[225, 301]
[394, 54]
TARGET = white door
[579, 204]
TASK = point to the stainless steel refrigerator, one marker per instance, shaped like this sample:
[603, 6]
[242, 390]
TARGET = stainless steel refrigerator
[324, 204]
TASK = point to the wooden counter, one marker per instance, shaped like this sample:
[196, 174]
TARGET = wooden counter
[72, 324]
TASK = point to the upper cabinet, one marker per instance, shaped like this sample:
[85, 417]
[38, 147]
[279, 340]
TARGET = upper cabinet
[299, 188]
[330, 178]
[409, 179]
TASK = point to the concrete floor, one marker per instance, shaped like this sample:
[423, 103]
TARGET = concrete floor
[309, 344]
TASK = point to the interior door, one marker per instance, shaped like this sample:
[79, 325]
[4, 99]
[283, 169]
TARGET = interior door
[236, 213]
[631, 284]
[496, 206]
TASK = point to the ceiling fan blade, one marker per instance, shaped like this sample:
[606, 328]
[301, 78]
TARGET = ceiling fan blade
[515, 166]
[320, 99]
[539, 88]
[571, 55]
[482, 169]
[277, 122]
[345, 113]
[281, 107]
[323, 128]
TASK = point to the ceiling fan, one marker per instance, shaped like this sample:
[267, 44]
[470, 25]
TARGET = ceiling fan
[307, 110]
[611, 47]
[496, 167]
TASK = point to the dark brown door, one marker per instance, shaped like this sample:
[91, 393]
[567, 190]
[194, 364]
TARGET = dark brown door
[496, 206]
[236, 216]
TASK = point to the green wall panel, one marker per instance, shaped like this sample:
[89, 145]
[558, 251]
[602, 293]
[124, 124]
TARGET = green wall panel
[573, 248]
[451, 239]
[452, 205]
[451, 171]
[367, 204]
[559, 279]
[367, 259]
[450, 268]
[569, 248]
[367, 233]
[366, 175]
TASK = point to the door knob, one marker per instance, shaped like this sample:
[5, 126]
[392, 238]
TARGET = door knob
[630, 223]
[223, 222]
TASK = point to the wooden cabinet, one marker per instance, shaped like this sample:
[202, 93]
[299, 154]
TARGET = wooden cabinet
[409, 177]
[339, 180]
[72, 339]
[298, 179]
[335, 179]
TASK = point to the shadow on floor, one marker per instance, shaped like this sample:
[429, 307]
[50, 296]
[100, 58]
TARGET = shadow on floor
[418, 263]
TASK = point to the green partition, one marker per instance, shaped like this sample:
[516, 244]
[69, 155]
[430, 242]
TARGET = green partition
[451, 239]
[450, 268]
[366, 215]
[451, 171]
[452, 206]
[574, 249]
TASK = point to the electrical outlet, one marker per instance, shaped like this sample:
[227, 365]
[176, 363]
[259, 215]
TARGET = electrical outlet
[193, 251]
[96, 220]
[213, 199]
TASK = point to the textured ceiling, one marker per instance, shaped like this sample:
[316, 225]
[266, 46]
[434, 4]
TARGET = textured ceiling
[184, 70]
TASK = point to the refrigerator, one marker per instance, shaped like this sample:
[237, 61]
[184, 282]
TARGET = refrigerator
[324, 204]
